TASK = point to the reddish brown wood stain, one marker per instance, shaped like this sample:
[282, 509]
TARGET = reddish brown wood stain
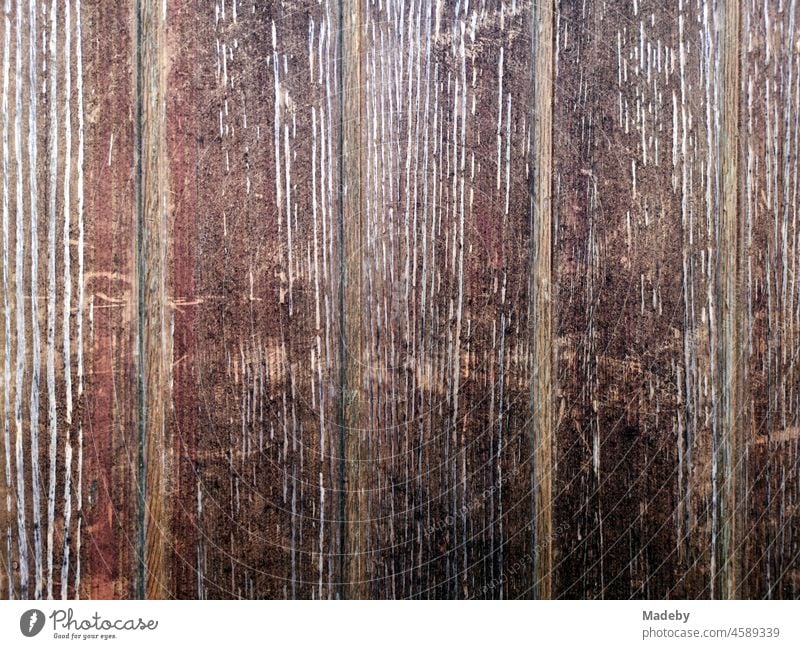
[182, 153]
[108, 438]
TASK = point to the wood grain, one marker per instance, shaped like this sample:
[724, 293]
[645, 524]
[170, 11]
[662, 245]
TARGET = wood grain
[399, 299]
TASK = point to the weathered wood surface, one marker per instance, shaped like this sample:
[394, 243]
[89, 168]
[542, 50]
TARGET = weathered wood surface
[402, 299]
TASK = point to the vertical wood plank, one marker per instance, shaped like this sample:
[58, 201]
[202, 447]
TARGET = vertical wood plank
[354, 460]
[768, 210]
[542, 317]
[109, 439]
[729, 457]
[154, 322]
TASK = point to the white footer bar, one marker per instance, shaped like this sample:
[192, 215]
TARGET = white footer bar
[386, 625]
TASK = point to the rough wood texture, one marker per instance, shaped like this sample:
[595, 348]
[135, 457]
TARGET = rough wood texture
[542, 283]
[728, 457]
[354, 447]
[402, 299]
[153, 319]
